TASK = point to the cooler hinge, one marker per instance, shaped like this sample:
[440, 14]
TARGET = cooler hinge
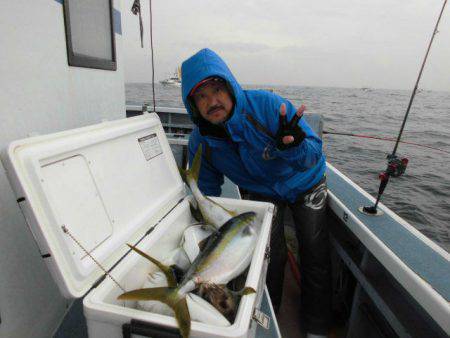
[20, 202]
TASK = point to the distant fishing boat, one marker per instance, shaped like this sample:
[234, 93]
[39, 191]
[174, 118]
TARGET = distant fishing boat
[174, 80]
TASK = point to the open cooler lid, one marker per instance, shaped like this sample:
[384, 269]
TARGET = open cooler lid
[108, 184]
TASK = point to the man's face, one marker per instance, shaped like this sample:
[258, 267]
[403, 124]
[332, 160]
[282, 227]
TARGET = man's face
[213, 101]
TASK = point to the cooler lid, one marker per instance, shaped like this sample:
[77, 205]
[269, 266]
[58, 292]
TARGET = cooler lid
[107, 184]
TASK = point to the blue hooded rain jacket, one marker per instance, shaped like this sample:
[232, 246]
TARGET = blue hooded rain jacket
[248, 155]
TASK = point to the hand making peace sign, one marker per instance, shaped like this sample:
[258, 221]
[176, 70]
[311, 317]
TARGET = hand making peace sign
[289, 133]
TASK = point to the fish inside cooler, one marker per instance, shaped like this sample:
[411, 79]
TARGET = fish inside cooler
[167, 242]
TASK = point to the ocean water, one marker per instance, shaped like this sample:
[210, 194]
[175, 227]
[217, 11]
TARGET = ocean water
[422, 194]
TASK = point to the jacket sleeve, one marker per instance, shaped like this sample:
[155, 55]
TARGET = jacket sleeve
[309, 152]
[210, 179]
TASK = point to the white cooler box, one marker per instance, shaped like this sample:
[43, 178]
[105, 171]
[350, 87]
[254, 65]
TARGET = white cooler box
[111, 184]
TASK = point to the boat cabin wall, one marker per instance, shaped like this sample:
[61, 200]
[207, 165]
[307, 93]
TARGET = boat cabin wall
[40, 94]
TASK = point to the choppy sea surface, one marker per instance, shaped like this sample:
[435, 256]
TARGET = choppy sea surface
[422, 194]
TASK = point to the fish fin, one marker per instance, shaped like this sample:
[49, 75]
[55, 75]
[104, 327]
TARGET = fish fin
[194, 171]
[247, 291]
[246, 217]
[196, 213]
[168, 271]
[178, 272]
[168, 296]
[248, 231]
[210, 227]
[244, 291]
[193, 202]
[204, 242]
[162, 294]
[231, 212]
[182, 174]
[183, 317]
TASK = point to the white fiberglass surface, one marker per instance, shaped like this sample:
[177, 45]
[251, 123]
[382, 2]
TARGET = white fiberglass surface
[106, 184]
[87, 217]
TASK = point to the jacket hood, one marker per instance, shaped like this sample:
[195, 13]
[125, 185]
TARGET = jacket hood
[198, 67]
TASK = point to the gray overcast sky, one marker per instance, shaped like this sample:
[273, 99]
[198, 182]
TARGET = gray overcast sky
[354, 43]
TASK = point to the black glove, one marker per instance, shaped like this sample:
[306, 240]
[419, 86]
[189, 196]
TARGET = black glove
[289, 129]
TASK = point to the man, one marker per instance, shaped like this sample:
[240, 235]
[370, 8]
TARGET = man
[259, 141]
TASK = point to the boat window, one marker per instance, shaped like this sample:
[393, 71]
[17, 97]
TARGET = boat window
[90, 34]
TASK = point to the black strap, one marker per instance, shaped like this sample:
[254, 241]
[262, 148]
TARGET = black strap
[208, 153]
[258, 125]
[253, 121]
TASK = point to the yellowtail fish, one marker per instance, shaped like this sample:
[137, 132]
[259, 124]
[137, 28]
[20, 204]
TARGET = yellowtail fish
[212, 213]
[226, 255]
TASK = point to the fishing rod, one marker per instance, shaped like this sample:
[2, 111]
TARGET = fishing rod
[396, 167]
[136, 10]
[153, 62]
[325, 132]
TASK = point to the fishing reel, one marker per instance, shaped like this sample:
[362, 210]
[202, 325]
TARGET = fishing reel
[396, 166]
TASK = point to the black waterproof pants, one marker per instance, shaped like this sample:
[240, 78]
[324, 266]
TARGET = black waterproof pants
[314, 257]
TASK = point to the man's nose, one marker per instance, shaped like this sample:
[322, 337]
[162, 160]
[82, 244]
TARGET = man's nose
[212, 100]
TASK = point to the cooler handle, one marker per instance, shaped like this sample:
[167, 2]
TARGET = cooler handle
[148, 330]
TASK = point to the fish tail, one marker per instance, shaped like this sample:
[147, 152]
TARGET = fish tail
[183, 317]
[169, 296]
[246, 291]
[183, 174]
[196, 212]
[194, 171]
